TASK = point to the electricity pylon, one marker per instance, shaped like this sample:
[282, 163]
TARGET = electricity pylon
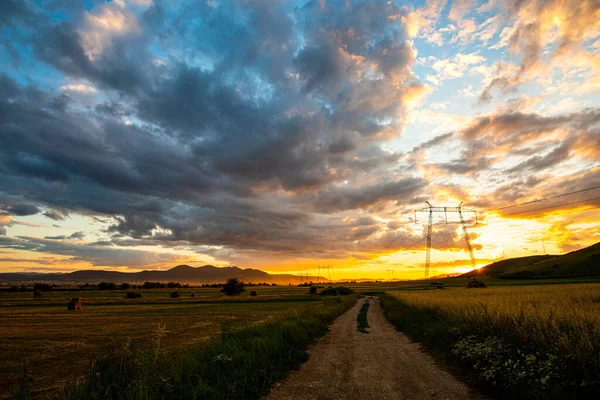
[323, 269]
[431, 209]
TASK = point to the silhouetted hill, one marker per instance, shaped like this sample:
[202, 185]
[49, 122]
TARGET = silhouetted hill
[180, 273]
[579, 263]
[509, 265]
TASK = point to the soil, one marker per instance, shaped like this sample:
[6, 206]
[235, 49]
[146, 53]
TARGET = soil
[381, 364]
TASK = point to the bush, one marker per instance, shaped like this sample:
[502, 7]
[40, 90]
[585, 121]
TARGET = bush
[37, 293]
[476, 283]
[13, 289]
[233, 287]
[125, 286]
[106, 286]
[42, 287]
[312, 290]
[133, 295]
[253, 293]
[193, 295]
[336, 291]
[154, 285]
[175, 295]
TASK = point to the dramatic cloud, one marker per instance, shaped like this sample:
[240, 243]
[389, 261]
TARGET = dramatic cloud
[267, 132]
[559, 27]
[23, 209]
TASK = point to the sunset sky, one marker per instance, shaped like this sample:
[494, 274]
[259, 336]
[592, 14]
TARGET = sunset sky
[142, 134]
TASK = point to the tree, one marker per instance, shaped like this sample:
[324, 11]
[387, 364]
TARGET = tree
[233, 287]
[125, 286]
[42, 287]
[107, 286]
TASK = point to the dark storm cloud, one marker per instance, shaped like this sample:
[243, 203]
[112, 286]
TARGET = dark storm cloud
[192, 143]
[23, 210]
[344, 198]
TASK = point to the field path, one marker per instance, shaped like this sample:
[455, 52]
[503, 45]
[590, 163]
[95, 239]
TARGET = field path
[383, 364]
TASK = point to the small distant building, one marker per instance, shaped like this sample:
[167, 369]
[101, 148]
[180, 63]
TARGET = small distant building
[75, 304]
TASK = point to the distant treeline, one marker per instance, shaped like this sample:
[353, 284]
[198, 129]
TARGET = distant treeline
[46, 287]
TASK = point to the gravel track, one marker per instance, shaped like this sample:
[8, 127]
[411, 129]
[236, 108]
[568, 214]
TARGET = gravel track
[383, 364]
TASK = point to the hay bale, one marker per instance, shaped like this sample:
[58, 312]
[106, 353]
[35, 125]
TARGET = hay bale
[75, 304]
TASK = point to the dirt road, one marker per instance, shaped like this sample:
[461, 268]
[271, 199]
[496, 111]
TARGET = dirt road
[383, 364]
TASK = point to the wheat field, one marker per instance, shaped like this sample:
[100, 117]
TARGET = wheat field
[534, 341]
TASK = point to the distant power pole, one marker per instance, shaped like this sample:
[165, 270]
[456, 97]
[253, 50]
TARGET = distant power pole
[544, 247]
[430, 210]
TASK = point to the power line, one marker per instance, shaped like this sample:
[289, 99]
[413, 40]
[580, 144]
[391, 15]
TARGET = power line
[406, 258]
[547, 198]
[554, 206]
[399, 236]
[393, 241]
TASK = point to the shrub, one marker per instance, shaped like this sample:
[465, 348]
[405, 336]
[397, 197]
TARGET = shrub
[253, 293]
[175, 295]
[476, 283]
[312, 290]
[106, 286]
[125, 286]
[13, 289]
[133, 295]
[42, 287]
[336, 291]
[233, 287]
[193, 295]
[37, 294]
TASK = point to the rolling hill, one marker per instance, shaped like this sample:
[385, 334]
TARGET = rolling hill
[579, 263]
[180, 273]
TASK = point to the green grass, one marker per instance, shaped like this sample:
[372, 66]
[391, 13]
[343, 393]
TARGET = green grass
[240, 364]
[522, 341]
[362, 322]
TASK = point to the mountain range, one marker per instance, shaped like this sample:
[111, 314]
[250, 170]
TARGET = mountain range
[180, 273]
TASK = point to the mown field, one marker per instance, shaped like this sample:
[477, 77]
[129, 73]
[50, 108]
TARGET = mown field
[537, 341]
[49, 343]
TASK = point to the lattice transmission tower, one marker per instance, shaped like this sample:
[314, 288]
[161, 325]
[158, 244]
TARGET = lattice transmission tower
[430, 210]
[323, 269]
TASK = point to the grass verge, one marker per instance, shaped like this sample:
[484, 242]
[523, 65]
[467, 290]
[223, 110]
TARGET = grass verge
[526, 344]
[361, 320]
[240, 364]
